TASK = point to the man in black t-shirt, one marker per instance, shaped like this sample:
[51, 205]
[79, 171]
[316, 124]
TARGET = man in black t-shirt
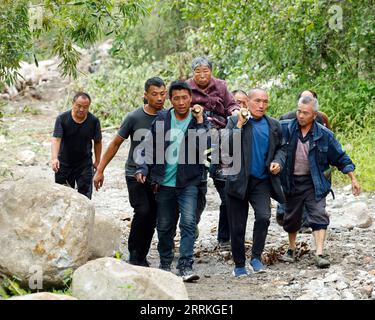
[72, 144]
[141, 197]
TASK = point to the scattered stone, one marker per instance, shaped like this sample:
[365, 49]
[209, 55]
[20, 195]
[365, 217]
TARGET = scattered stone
[113, 279]
[43, 296]
[26, 157]
[341, 285]
[356, 214]
[347, 295]
[366, 290]
[368, 260]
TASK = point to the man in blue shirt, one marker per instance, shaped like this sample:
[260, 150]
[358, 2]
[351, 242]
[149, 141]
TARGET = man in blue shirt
[175, 180]
[262, 158]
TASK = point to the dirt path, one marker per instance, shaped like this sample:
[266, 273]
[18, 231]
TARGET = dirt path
[352, 250]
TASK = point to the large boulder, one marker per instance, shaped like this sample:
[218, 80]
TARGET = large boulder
[45, 229]
[355, 214]
[106, 237]
[113, 279]
[43, 296]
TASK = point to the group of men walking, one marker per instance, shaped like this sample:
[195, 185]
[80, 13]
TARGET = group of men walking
[253, 158]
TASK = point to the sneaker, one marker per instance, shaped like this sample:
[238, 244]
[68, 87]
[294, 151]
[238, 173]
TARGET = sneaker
[322, 262]
[224, 245]
[289, 256]
[240, 272]
[257, 265]
[188, 275]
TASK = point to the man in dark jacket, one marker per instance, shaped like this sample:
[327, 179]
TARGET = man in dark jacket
[321, 118]
[311, 149]
[261, 160]
[175, 180]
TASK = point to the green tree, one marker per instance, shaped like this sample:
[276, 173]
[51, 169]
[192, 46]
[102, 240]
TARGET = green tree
[275, 37]
[68, 23]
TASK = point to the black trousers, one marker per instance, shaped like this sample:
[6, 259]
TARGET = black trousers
[80, 175]
[258, 195]
[223, 233]
[142, 199]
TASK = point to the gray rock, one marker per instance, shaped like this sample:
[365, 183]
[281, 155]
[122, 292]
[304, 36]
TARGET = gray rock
[106, 237]
[341, 285]
[43, 296]
[113, 279]
[26, 157]
[44, 230]
[355, 214]
[347, 295]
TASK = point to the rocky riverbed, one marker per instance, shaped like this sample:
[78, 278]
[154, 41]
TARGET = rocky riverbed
[25, 152]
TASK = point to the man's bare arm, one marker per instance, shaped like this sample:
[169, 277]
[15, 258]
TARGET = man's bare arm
[55, 148]
[97, 152]
[107, 157]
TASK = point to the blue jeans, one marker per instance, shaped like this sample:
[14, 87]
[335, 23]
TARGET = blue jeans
[167, 200]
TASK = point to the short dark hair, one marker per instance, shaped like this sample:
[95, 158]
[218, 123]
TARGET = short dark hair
[154, 81]
[239, 91]
[179, 85]
[312, 92]
[81, 94]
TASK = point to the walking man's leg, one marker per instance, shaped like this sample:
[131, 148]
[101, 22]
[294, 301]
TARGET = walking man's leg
[260, 199]
[83, 176]
[187, 202]
[166, 203]
[142, 229]
[237, 214]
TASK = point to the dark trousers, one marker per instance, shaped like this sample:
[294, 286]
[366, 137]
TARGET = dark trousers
[168, 199]
[303, 198]
[80, 175]
[201, 200]
[258, 195]
[142, 199]
[224, 230]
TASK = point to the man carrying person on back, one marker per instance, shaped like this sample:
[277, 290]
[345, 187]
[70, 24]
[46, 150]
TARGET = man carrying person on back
[178, 133]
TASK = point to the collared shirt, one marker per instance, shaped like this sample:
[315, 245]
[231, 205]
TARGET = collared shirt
[259, 148]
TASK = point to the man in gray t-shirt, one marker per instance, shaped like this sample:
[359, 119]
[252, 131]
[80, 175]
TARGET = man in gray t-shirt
[141, 197]
[138, 121]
